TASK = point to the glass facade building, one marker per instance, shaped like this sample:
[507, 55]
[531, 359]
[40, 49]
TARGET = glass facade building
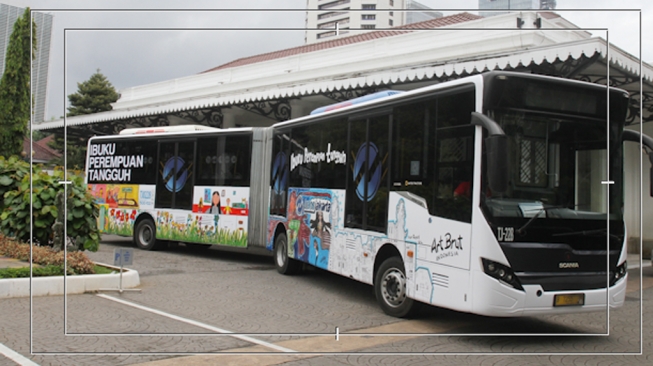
[512, 4]
[8, 16]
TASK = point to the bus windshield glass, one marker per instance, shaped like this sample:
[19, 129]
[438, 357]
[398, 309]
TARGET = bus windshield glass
[558, 168]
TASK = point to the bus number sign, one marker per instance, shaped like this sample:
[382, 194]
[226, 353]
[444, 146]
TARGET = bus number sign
[505, 233]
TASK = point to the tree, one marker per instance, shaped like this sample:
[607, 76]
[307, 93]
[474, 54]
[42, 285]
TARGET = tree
[15, 86]
[93, 96]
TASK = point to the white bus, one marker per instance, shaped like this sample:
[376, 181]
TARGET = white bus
[498, 194]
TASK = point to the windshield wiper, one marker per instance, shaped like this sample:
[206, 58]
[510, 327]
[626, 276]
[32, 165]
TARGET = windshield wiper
[520, 231]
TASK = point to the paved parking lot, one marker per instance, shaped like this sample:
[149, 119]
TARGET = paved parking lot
[191, 301]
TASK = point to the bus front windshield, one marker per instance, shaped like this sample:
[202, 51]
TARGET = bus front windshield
[558, 168]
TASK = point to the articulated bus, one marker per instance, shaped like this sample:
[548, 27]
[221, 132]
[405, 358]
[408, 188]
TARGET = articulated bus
[498, 194]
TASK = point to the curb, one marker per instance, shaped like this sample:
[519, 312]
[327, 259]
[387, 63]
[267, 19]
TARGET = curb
[78, 284]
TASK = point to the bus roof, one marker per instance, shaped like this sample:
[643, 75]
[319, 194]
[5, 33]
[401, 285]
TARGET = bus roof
[478, 79]
[365, 98]
[396, 95]
[156, 133]
[166, 129]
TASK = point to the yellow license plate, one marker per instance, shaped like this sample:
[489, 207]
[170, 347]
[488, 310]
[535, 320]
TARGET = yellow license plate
[569, 300]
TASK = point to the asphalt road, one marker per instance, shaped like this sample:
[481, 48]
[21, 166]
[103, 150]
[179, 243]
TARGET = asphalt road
[203, 307]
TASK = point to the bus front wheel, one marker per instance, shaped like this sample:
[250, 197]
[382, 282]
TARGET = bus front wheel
[145, 235]
[284, 264]
[390, 289]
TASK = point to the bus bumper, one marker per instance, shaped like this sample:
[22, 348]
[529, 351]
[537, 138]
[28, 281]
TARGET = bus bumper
[492, 298]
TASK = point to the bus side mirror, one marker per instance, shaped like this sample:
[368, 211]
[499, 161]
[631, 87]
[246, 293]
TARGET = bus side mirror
[496, 147]
[497, 155]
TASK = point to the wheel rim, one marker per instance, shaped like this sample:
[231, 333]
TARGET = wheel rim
[146, 235]
[281, 253]
[393, 287]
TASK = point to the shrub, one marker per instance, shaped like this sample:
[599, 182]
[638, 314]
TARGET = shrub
[12, 171]
[81, 215]
[78, 262]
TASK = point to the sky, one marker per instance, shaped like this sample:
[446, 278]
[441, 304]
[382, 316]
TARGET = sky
[135, 43]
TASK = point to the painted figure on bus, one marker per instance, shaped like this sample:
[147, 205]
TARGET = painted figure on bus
[318, 256]
[303, 232]
[112, 196]
[303, 241]
[322, 230]
[227, 210]
[215, 204]
[315, 255]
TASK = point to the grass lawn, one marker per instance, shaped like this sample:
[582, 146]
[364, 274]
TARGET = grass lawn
[49, 270]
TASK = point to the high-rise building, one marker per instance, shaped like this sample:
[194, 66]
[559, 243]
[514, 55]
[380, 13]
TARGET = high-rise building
[331, 19]
[548, 4]
[8, 16]
[513, 4]
[419, 12]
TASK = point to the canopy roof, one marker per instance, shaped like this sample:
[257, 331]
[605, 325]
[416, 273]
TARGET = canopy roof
[401, 58]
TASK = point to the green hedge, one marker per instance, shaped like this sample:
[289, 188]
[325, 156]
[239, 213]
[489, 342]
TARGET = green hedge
[51, 270]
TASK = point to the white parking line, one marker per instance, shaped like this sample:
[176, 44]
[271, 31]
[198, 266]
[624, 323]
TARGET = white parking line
[16, 357]
[197, 324]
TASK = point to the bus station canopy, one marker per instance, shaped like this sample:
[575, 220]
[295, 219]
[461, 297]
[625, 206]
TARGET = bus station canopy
[264, 89]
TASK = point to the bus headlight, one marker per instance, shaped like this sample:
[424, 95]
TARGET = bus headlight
[502, 273]
[619, 273]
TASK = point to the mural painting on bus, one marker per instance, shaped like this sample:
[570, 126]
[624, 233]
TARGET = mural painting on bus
[274, 222]
[312, 219]
[435, 241]
[439, 240]
[353, 252]
[118, 207]
[146, 196]
[218, 216]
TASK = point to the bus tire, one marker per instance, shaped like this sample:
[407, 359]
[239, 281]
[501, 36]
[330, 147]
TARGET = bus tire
[390, 289]
[145, 235]
[282, 262]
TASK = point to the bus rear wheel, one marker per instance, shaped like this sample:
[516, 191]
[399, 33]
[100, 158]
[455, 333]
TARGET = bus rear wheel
[282, 262]
[390, 289]
[145, 235]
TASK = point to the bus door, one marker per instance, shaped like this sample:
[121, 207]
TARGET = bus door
[174, 186]
[433, 166]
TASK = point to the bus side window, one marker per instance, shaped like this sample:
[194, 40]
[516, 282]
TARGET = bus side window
[411, 159]
[433, 153]
[235, 169]
[317, 155]
[301, 174]
[454, 156]
[279, 174]
[223, 161]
